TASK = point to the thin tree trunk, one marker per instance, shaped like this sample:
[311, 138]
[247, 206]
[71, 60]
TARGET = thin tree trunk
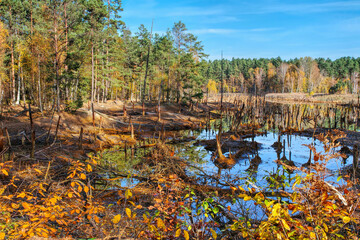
[92, 76]
[56, 63]
[19, 85]
[39, 85]
[147, 63]
[13, 72]
[159, 100]
[23, 86]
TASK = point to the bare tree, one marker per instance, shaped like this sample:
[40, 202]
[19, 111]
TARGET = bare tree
[282, 70]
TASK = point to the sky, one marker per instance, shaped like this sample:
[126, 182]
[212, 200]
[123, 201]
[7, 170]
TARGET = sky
[257, 28]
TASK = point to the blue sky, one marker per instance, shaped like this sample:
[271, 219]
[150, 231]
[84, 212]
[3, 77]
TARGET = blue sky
[254, 29]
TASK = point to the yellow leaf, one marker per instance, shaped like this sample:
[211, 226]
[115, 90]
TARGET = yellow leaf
[247, 198]
[86, 189]
[276, 210]
[44, 234]
[160, 223]
[82, 176]
[325, 227]
[53, 201]
[128, 212]
[178, 233]
[312, 235]
[4, 172]
[116, 219]
[25, 205]
[2, 235]
[79, 188]
[128, 194]
[89, 168]
[213, 233]
[14, 205]
[186, 235]
[70, 194]
[286, 226]
[346, 219]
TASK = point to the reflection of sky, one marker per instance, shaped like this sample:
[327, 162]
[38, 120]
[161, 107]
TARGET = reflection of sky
[238, 175]
[294, 146]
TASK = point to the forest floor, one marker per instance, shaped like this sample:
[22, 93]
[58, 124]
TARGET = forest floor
[316, 98]
[110, 126]
[109, 122]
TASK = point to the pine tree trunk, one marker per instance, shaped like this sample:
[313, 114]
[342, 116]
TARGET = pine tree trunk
[39, 85]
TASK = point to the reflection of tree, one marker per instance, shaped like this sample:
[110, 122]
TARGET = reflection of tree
[193, 154]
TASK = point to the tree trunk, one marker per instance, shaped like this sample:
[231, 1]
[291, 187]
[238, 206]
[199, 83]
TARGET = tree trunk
[92, 76]
[23, 86]
[147, 64]
[13, 72]
[19, 85]
[56, 63]
[39, 85]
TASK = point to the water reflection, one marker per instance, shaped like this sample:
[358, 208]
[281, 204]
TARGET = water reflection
[291, 150]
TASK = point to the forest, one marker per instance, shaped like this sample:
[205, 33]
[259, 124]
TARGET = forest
[111, 134]
[82, 50]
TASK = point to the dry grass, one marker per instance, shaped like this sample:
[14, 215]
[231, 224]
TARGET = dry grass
[316, 98]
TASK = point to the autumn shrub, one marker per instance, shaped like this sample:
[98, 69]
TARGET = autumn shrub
[315, 208]
[34, 205]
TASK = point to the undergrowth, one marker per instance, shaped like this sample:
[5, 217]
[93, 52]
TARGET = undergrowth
[38, 201]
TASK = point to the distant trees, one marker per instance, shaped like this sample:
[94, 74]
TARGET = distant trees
[296, 75]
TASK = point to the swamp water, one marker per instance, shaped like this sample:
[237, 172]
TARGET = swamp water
[295, 149]
[264, 175]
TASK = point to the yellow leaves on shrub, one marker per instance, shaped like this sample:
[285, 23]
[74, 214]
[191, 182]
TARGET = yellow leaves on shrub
[213, 233]
[276, 210]
[25, 205]
[88, 168]
[2, 235]
[53, 201]
[186, 235]
[286, 226]
[14, 205]
[5, 172]
[82, 176]
[116, 219]
[128, 212]
[178, 232]
[346, 219]
[128, 194]
[247, 198]
[160, 223]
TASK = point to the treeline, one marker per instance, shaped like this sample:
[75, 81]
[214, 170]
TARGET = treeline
[63, 52]
[259, 76]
